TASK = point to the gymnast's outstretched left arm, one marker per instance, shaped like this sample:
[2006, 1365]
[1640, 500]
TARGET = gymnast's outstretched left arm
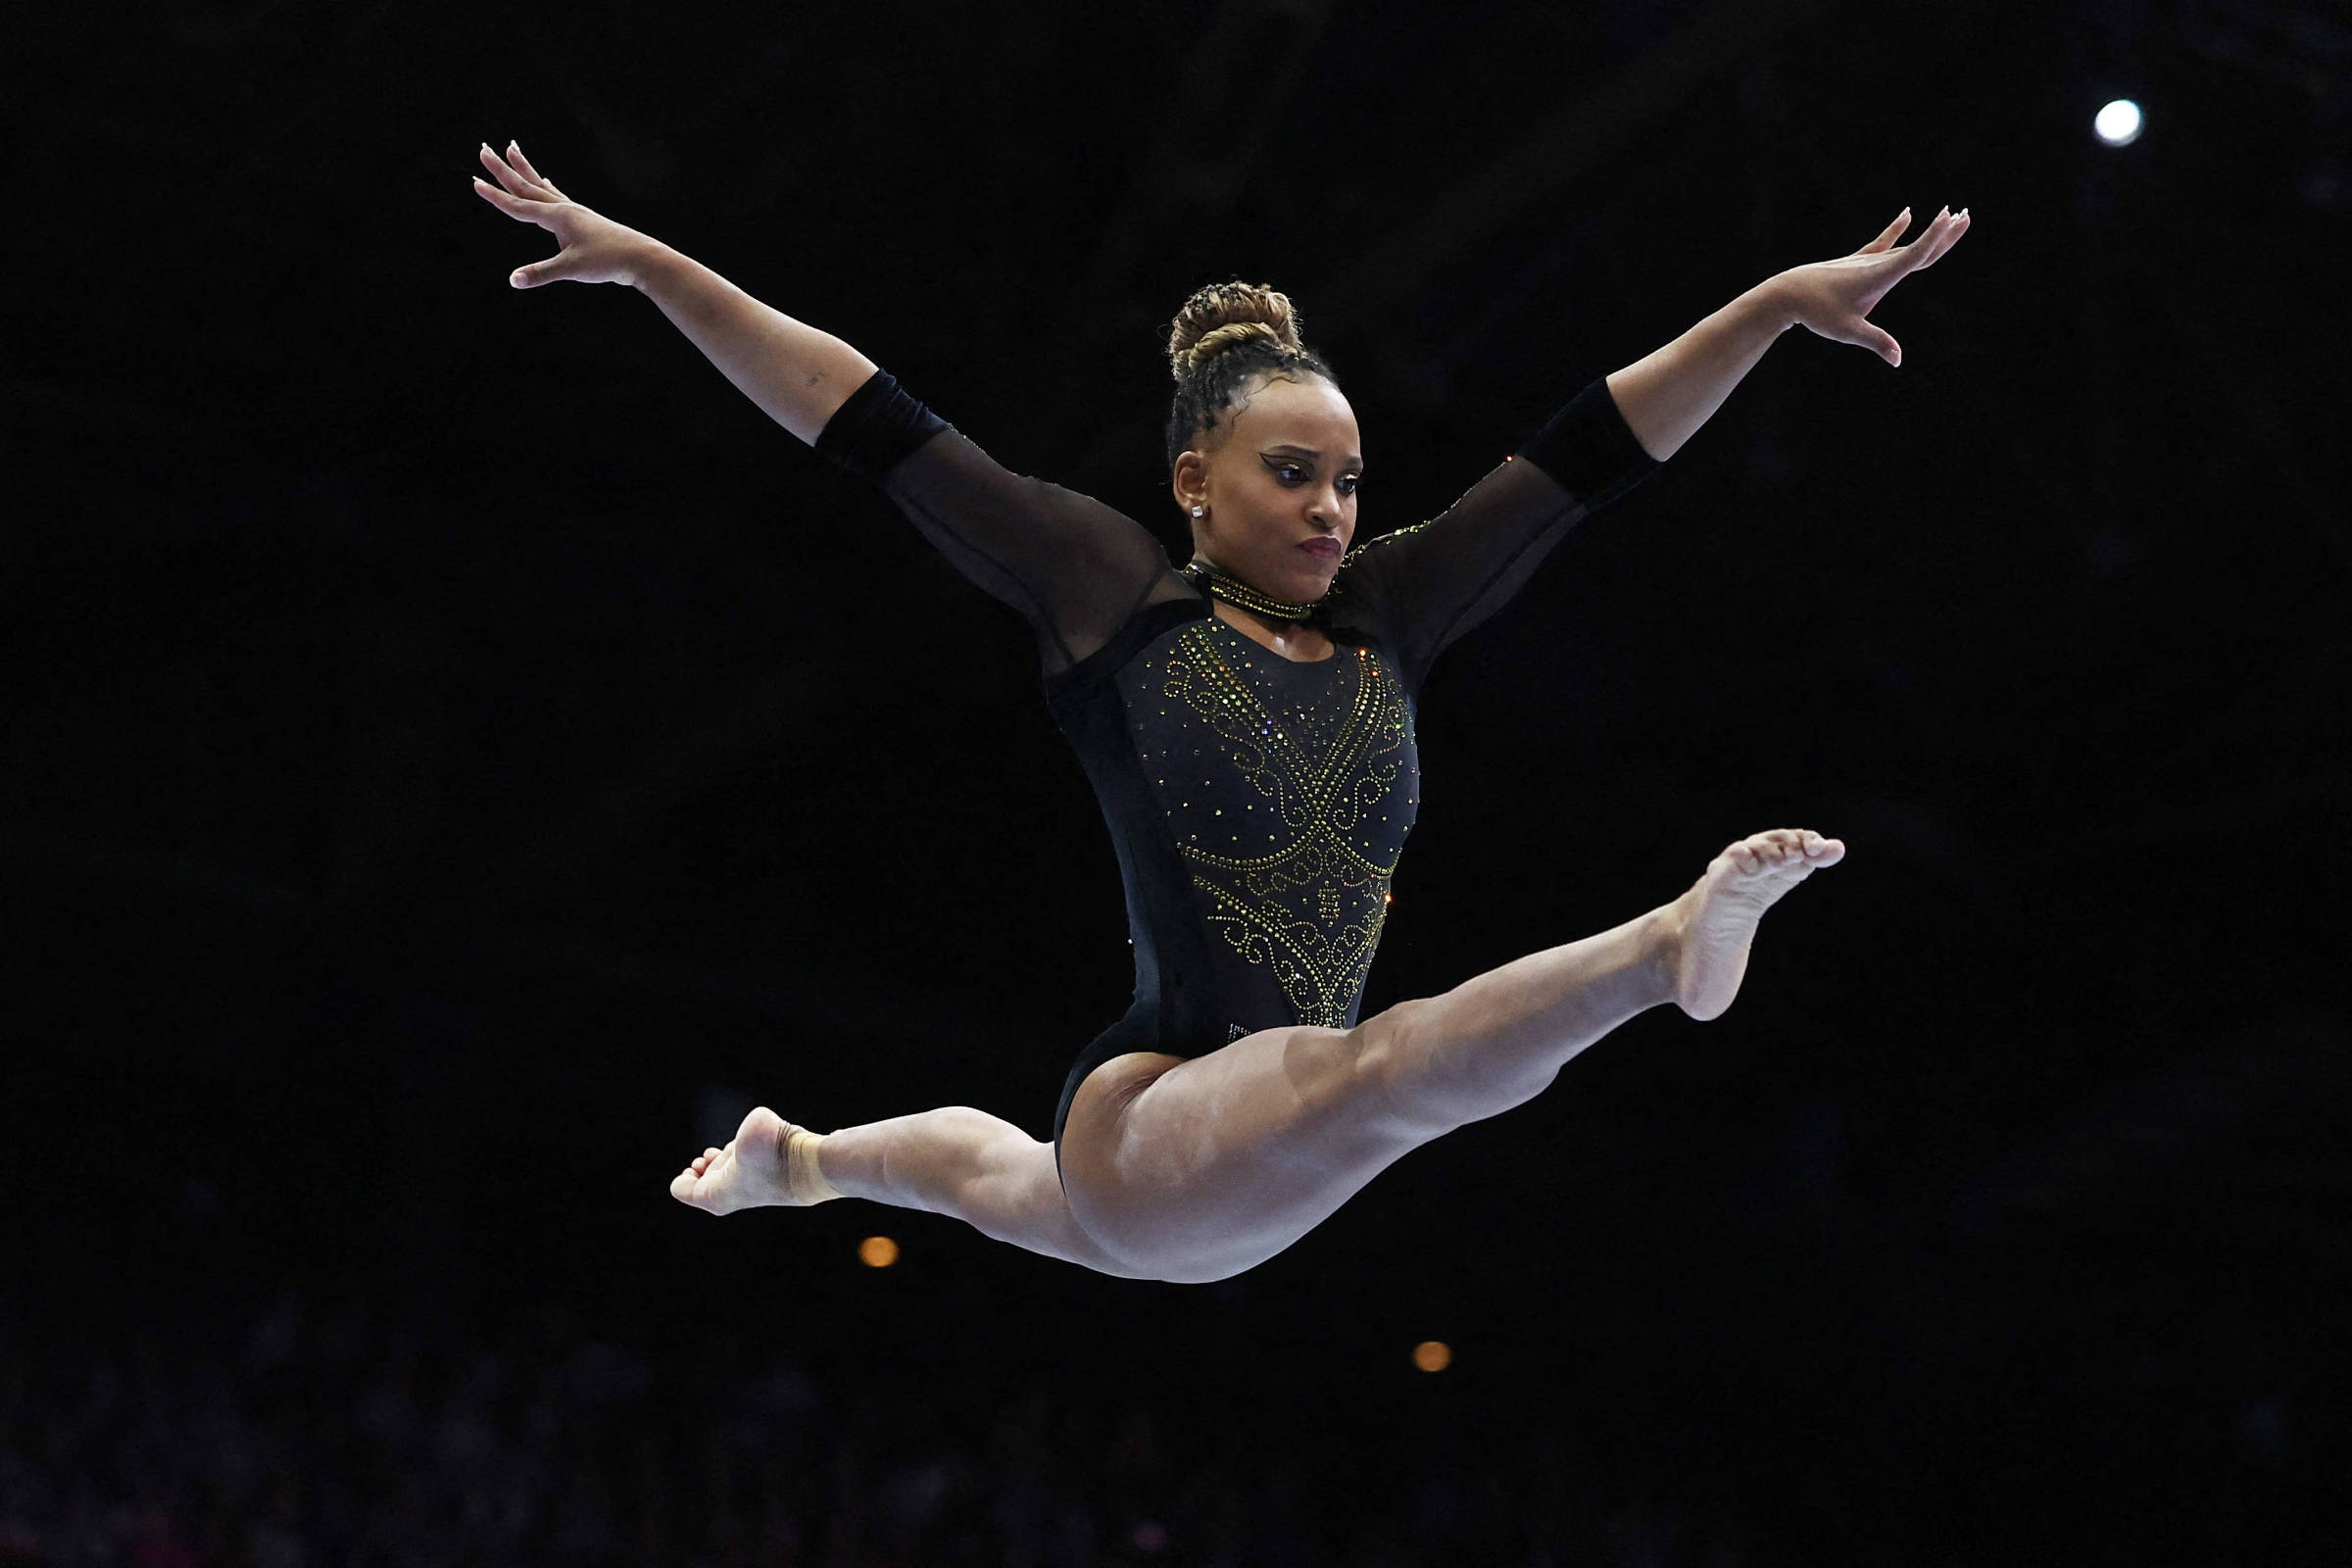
[1667, 395]
[1422, 588]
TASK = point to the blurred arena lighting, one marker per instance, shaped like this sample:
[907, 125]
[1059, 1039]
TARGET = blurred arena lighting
[2118, 124]
[877, 1251]
[1433, 1355]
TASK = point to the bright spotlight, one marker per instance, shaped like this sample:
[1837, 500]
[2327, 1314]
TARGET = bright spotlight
[2118, 125]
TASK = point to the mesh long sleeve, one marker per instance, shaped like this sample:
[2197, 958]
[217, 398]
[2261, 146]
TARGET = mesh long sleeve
[1076, 569]
[1422, 587]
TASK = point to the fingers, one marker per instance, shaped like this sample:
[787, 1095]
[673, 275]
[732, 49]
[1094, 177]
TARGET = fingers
[515, 156]
[1940, 235]
[1863, 333]
[1951, 235]
[1942, 232]
[1887, 235]
[507, 177]
[517, 195]
[554, 269]
[522, 195]
[521, 207]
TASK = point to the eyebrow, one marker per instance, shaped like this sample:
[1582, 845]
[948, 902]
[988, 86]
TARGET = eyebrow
[1293, 446]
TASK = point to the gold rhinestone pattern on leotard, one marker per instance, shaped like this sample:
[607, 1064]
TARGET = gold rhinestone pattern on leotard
[1289, 790]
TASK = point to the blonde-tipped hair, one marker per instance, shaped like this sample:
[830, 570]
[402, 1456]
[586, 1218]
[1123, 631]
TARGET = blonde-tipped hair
[1223, 316]
[1226, 333]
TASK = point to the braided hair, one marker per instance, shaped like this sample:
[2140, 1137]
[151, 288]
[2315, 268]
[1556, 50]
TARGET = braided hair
[1225, 334]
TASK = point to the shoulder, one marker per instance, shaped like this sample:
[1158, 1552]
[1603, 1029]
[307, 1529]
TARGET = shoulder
[1153, 620]
[1369, 547]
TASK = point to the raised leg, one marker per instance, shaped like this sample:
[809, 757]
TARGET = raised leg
[1197, 1169]
[954, 1160]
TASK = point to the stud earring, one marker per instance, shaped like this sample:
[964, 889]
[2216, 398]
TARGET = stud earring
[1195, 512]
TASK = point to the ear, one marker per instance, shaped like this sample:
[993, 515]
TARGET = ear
[1190, 482]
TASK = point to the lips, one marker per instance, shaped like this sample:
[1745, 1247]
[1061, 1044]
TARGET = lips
[1323, 548]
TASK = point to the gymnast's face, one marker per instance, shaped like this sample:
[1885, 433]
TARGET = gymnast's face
[1276, 483]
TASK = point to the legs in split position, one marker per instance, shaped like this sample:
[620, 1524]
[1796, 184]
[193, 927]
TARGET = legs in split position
[1196, 1169]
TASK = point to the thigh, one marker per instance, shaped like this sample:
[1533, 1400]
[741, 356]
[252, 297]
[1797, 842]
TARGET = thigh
[1201, 1167]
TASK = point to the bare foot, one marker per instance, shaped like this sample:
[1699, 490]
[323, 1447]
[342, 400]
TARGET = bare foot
[754, 1170]
[1713, 923]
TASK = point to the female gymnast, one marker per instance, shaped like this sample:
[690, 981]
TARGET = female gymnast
[1247, 725]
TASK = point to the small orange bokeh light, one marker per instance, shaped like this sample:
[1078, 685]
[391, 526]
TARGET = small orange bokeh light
[1433, 1355]
[877, 1251]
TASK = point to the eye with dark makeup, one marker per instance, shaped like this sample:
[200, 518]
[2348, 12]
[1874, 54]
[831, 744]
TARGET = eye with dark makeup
[1295, 473]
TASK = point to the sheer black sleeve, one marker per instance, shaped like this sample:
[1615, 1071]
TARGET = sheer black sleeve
[1076, 569]
[1422, 587]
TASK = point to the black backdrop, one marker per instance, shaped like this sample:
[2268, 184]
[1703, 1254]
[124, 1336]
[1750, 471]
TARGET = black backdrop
[460, 754]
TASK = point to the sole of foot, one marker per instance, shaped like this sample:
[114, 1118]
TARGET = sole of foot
[749, 1173]
[1715, 922]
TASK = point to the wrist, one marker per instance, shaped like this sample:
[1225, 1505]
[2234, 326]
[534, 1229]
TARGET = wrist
[1769, 306]
[649, 265]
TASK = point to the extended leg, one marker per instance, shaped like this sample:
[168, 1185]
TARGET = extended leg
[954, 1160]
[1497, 1041]
[1206, 1167]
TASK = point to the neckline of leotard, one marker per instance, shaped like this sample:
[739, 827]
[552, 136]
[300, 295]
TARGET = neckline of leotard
[1210, 606]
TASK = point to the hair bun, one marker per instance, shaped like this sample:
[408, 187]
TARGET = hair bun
[1220, 316]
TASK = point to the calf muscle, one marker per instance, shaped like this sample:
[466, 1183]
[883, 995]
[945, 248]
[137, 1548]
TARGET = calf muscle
[969, 1165]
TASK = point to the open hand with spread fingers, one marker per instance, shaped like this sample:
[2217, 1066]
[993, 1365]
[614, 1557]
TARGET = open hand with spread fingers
[595, 249]
[1832, 297]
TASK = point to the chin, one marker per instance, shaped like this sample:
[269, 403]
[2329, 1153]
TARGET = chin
[1302, 587]
[1292, 576]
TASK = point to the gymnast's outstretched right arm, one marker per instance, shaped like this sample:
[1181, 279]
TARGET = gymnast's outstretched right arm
[1073, 567]
[798, 374]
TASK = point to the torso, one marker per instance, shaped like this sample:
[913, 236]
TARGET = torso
[1259, 799]
[1285, 787]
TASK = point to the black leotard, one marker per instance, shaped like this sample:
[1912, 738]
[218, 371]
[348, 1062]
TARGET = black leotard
[1257, 805]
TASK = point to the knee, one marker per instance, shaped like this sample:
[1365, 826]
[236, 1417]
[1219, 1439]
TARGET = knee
[1390, 1053]
[989, 1146]
[1432, 1079]
[967, 1123]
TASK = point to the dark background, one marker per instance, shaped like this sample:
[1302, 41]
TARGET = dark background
[460, 754]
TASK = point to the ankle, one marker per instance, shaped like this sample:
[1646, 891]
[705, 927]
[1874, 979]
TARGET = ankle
[1662, 936]
[804, 1174]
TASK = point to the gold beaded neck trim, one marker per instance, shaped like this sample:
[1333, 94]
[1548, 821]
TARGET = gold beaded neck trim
[1233, 591]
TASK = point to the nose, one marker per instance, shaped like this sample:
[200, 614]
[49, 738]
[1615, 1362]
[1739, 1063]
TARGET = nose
[1326, 509]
